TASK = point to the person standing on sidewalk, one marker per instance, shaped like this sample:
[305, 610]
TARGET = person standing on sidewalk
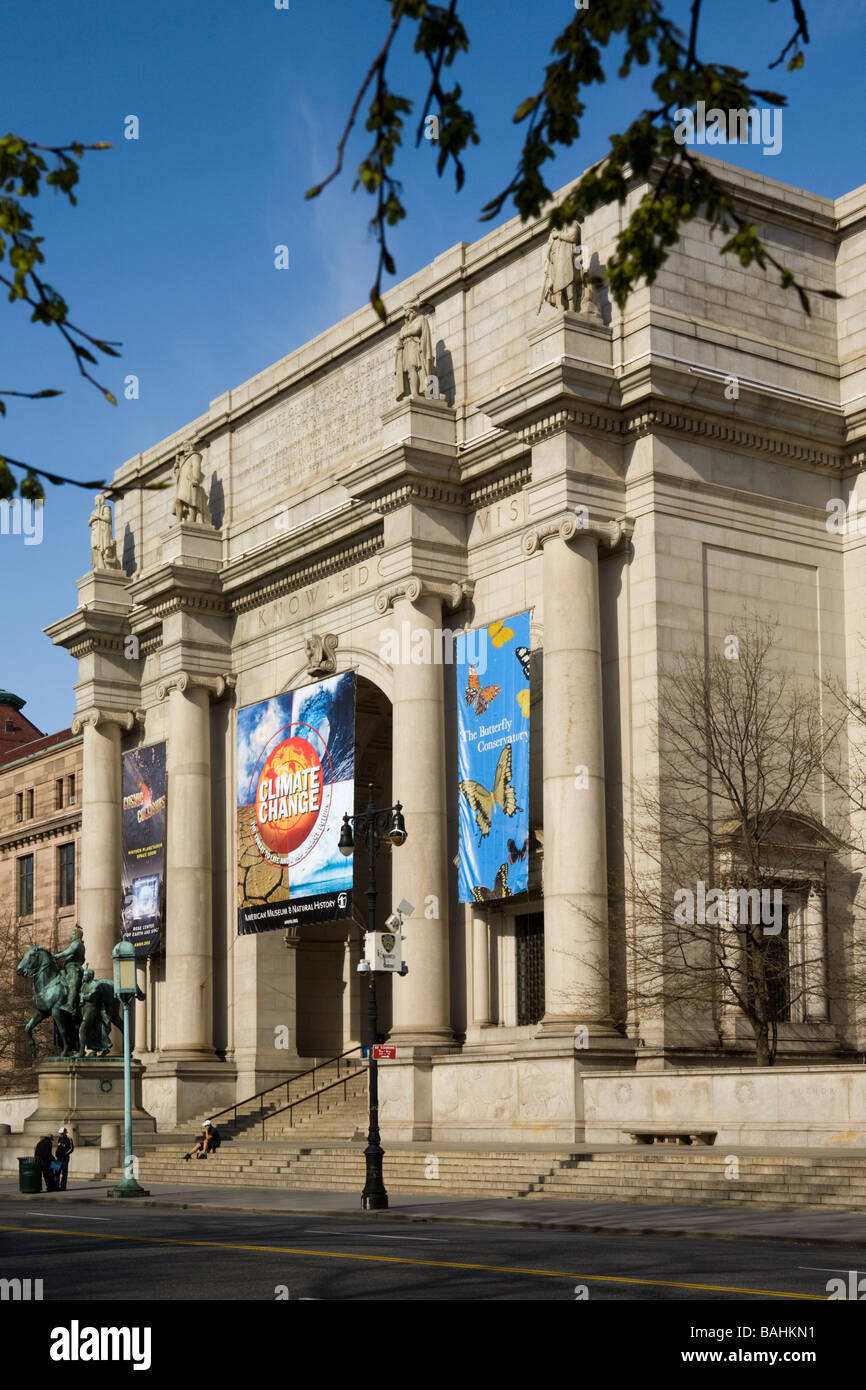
[43, 1153]
[63, 1153]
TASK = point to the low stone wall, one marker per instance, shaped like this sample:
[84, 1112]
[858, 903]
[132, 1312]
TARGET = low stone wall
[809, 1106]
[15, 1109]
[561, 1100]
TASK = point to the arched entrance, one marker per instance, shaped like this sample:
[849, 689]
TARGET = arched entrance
[330, 1000]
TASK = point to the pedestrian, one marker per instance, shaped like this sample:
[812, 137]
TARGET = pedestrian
[64, 1152]
[209, 1140]
[43, 1153]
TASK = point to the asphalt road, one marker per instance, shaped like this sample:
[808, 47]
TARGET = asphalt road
[108, 1252]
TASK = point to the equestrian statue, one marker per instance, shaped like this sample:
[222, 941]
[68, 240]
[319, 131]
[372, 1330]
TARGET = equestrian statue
[82, 1009]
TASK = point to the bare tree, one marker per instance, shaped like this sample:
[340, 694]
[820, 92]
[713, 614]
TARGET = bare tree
[17, 1069]
[728, 854]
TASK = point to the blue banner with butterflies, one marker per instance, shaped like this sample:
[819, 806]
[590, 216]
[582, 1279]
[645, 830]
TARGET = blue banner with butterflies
[493, 759]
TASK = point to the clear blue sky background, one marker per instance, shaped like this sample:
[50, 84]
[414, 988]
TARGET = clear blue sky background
[170, 249]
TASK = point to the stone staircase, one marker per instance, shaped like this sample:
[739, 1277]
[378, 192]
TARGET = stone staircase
[323, 1150]
[319, 1146]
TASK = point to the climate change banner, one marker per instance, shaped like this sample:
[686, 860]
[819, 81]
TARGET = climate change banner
[295, 779]
[143, 847]
[493, 760]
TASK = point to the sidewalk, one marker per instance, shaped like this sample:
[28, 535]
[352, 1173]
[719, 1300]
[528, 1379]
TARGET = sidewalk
[545, 1213]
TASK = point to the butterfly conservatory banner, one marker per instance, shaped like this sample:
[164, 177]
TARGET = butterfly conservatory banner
[295, 778]
[493, 760]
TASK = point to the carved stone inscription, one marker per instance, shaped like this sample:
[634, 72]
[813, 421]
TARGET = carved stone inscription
[326, 424]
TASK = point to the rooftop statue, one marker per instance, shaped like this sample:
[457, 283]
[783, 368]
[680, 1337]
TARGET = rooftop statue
[414, 362]
[563, 279]
[103, 547]
[190, 500]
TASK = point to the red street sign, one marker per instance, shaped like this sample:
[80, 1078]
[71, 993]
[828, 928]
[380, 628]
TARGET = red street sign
[384, 1051]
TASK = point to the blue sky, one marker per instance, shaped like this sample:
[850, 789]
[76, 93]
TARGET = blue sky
[170, 249]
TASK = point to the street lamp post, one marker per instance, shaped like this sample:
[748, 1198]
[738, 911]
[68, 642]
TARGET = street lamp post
[126, 989]
[372, 824]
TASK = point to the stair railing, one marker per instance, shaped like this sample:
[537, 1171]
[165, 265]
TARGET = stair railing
[302, 1100]
[311, 1071]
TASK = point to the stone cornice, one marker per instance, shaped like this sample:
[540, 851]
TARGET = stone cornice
[484, 492]
[46, 830]
[414, 587]
[94, 641]
[607, 533]
[191, 680]
[299, 576]
[188, 603]
[639, 423]
[94, 716]
[565, 418]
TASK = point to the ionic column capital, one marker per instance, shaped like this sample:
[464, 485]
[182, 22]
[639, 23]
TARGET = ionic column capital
[93, 717]
[607, 533]
[187, 680]
[413, 588]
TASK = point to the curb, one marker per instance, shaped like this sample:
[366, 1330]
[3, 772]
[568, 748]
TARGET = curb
[575, 1227]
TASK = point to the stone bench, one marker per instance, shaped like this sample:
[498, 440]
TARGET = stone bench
[671, 1136]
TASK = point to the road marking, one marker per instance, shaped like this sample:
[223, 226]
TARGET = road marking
[427, 1240]
[63, 1216]
[427, 1264]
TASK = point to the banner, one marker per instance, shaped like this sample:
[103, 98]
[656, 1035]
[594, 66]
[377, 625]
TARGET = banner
[143, 847]
[493, 760]
[295, 779]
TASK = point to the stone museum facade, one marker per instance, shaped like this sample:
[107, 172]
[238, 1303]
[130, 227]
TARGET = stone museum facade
[509, 441]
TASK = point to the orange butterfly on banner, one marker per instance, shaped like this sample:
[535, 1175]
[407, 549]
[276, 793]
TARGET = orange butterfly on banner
[480, 696]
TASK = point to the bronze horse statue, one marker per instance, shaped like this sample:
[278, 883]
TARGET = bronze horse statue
[50, 1000]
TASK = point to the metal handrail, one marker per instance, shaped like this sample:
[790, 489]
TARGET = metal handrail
[302, 1100]
[259, 1095]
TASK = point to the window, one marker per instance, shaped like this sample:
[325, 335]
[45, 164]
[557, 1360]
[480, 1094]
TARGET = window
[70, 790]
[58, 795]
[530, 967]
[19, 806]
[25, 885]
[67, 875]
[776, 963]
[30, 804]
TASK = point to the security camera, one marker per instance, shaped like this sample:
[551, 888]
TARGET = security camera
[363, 967]
[394, 922]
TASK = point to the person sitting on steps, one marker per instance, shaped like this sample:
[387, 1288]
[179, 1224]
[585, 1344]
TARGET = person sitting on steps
[209, 1140]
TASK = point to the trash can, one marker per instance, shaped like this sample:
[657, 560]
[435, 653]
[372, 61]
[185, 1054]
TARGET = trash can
[29, 1175]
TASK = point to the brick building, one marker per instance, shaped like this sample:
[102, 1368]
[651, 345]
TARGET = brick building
[40, 829]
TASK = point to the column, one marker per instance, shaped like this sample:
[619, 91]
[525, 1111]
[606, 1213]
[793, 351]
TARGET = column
[815, 956]
[575, 853]
[99, 904]
[422, 1007]
[480, 969]
[187, 1028]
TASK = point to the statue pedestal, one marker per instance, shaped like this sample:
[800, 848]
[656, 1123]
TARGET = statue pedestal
[85, 1094]
[564, 334]
[106, 591]
[192, 543]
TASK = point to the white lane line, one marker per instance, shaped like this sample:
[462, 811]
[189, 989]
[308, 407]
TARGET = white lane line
[370, 1235]
[64, 1216]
